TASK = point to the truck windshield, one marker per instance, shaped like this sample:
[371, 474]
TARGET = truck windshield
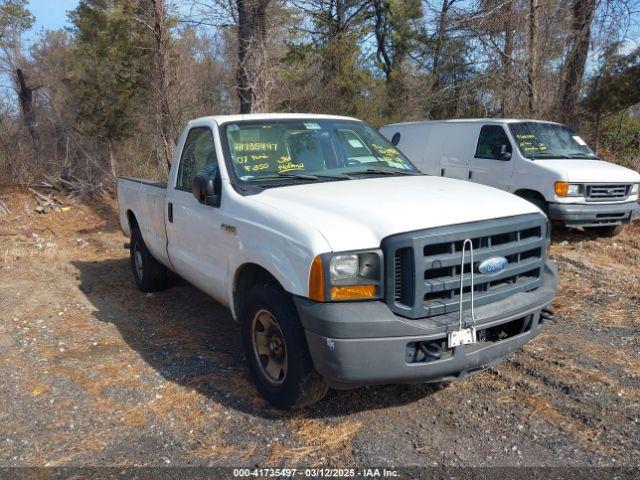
[310, 150]
[548, 140]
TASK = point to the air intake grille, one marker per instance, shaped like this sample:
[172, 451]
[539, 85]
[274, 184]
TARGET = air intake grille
[607, 192]
[423, 267]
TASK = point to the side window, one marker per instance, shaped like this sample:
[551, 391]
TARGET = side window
[198, 156]
[493, 143]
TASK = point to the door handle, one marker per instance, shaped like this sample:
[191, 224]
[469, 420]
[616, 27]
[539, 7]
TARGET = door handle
[470, 174]
[442, 172]
[170, 212]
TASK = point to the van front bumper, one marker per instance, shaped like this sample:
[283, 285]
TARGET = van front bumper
[593, 215]
[355, 343]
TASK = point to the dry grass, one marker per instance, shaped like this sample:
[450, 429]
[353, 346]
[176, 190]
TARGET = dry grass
[320, 443]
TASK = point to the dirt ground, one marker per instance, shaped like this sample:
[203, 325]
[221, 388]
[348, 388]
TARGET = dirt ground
[96, 373]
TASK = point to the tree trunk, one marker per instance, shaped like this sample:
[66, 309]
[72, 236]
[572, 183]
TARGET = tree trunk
[507, 59]
[583, 11]
[437, 52]
[166, 125]
[532, 59]
[25, 97]
[112, 162]
[382, 55]
[252, 34]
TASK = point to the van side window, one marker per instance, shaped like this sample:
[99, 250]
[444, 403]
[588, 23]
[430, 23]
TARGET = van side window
[493, 143]
[198, 156]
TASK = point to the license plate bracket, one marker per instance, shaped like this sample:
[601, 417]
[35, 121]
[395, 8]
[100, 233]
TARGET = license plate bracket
[463, 336]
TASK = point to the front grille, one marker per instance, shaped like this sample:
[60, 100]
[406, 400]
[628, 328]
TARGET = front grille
[606, 192]
[423, 267]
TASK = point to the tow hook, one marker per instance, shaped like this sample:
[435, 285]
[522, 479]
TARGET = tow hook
[547, 314]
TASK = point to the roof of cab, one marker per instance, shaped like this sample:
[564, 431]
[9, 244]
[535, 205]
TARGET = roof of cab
[220, 119]
[472, 120]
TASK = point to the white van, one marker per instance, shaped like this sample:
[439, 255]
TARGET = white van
[544, 162]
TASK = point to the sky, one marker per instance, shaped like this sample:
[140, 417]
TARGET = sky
[50, 14]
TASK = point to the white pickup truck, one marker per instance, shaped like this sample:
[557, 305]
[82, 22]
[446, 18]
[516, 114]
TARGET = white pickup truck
[545, 162]
[342, 263]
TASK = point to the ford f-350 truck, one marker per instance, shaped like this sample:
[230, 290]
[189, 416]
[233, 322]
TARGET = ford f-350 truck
[343, 264]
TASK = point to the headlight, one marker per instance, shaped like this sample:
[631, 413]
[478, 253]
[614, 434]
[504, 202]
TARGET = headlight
[346, 276]
[634, 189]
[564, 189]
[344, 266]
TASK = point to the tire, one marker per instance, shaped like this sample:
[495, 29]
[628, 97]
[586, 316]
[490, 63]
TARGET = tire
[149, 275]
[608, 231]
[276, 349]
[539, 202]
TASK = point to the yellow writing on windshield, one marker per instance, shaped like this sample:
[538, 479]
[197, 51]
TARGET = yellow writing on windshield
[255, 147]
[285, 167]
[390, 152]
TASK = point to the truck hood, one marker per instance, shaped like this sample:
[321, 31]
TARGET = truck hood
[358, 214]
[591, 171]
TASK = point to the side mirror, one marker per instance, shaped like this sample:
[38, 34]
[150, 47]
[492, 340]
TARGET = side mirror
[504, 154]
[206, 190]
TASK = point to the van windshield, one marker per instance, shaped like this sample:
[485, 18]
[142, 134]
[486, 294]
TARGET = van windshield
[310, 150]
[548, 140]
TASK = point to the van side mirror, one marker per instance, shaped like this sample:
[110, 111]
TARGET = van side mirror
[206, 190]
[504, 155]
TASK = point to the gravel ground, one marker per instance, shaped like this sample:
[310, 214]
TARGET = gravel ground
[96, 373]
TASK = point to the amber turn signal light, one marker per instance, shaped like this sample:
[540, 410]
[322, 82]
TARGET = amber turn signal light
[562, 188]
[353, 292]
[316, 280]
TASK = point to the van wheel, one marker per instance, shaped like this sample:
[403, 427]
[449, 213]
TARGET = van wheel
[149, 274]
[608, 231]
[276, 349]
[539, 202]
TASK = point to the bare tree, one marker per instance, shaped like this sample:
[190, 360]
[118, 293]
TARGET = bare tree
[532, 58]
[252, 35]
[507, 56]
[166, 125]
[440, 40]
[583, 11]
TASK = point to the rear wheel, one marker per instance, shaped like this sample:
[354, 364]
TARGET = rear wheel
[276, 349]
[148, 274]
[608, 231]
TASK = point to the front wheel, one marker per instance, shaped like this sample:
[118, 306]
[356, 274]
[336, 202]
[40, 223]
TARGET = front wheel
[608, 231]
[276, 349]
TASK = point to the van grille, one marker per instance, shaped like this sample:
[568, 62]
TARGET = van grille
[423, 267]
[607, 192]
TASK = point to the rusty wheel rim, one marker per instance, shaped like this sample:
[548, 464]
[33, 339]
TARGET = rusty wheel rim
[268, 347]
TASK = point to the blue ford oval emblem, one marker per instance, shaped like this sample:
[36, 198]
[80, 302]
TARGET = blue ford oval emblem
[493, 265]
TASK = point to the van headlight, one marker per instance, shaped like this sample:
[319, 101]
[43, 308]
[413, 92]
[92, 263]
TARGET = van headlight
[346, 276]
[564, 189]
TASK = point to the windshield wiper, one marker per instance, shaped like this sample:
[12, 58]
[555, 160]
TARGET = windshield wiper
[549, 155]
[378, 171]
[285, 175]
[583, 155]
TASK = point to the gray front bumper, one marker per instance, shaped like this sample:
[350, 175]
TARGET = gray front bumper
[365, 343]
[593, 215]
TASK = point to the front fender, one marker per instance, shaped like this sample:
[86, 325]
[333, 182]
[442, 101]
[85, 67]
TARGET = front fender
[287, 261]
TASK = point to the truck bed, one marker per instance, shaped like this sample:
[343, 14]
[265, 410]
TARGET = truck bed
[145, 181]
[144, 200]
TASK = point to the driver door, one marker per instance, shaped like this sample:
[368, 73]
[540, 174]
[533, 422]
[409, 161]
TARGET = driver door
[196, 243]
[491, 164]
